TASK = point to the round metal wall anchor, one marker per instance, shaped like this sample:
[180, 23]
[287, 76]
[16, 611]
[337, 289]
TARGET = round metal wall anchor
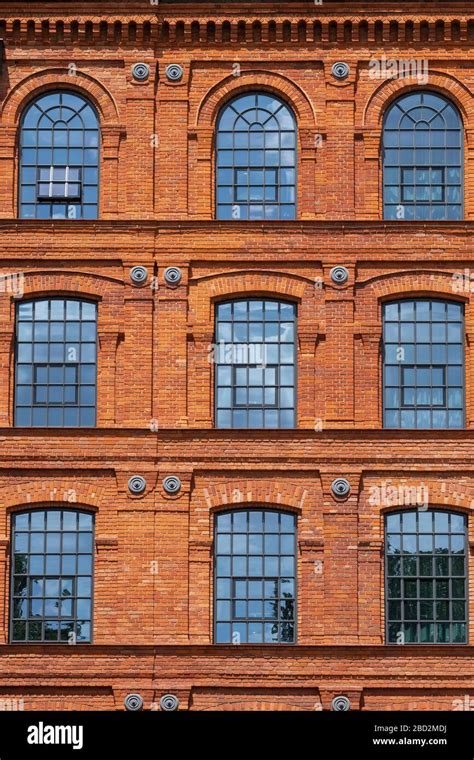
[133, 702]
[339, 275]
[174, 72]
[136, 484]
[140, 71]
[169, 702]
[341, 704]
[172, 484]
[340, 70]
[139, 275]
[340, 487]
[173, 275]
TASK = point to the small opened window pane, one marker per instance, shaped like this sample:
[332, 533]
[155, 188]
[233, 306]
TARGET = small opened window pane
[62, 182]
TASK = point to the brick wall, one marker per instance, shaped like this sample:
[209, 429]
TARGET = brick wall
[153, 557]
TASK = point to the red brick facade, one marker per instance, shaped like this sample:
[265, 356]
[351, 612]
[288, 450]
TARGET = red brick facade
[153, 612]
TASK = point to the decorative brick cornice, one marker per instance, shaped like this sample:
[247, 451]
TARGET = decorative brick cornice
[326, 25]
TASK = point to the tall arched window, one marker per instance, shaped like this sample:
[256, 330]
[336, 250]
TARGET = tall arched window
[255, 577]
[59, 158]
[51, 576]
[255, 375]
[426, 577]
[56, 363]
[423, 364]
[256, 159]
[423, 158]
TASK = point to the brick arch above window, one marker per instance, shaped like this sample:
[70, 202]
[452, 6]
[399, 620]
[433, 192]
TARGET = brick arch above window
[204, 123]
[390, 89]
[82, 284]
[255, 80]
[370, 120]
[258, 493]
[59, 79]
[257, 706]
[111, 131]
[453, 494]
[87, 496]
[407, 284]
[78, 285]
[239, 284]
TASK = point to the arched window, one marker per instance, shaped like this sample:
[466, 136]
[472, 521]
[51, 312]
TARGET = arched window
[255, 364]
[255, 577]
[59, 158]
[423, 158]
[256, 159]
[426, 577]
[51, 576]
[56, 363]
[423, 364]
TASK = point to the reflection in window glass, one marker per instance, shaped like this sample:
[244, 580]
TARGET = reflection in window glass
[256, 159]
[423, 364]
[59, 158]
[255, 364]
[52, 569]
[255, 577]
[56, 358]
[422, 158]
[426, 579]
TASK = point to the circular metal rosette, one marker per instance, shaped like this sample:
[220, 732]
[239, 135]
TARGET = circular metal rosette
[133, 702]
[169, 702]
[140, 71]
[340, 70]
[173, 275]
[339, 275]
[341, 488]
[172, 484]
[136, 484]
[139, 275]
[174, 72]
[341, 704]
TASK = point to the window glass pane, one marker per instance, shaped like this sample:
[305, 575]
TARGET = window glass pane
[56, 146]
[423, 364]
[56, 363]
[429, 604]
[422, 158]
[44, 582]
[257, 582]
[256, 159]
[255, 358]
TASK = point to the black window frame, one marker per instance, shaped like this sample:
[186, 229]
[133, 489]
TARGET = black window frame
[400, 187]
[416, 365]
[60, 576]
[70, 154]
[418, 577]
[234, 366]
[262, 166]
[48, 365]
[247, 578]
